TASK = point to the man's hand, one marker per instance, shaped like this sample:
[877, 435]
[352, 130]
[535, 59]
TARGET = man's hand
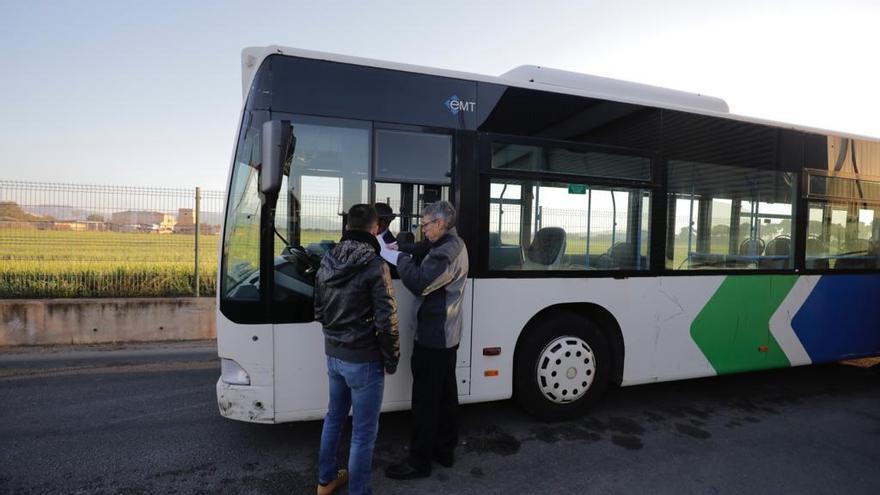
[390, 371]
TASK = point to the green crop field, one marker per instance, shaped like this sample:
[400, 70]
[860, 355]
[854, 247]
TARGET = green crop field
[44, 263]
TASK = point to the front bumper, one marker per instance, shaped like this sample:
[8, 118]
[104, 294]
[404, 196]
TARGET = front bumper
[246, 402]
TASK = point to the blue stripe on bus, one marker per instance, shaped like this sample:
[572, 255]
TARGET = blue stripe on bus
[840, 318]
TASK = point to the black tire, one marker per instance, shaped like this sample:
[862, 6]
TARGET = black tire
[535, 340]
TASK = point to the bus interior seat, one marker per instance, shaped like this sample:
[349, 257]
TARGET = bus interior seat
[601, 262]
[547, 248]
[623, 256]
[751, 247]
[778, 246]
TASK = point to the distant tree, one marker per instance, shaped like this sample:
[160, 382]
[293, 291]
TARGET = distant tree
[94, 217]
[837, 231]
[681, 236]
[785, 226]
[720, 231]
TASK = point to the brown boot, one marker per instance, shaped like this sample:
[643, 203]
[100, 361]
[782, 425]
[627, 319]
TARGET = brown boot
[341, 479]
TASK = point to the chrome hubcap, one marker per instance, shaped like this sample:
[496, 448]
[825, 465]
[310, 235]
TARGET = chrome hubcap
[566, 369]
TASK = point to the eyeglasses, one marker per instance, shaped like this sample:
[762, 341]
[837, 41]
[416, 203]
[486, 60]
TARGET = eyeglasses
[425, 224]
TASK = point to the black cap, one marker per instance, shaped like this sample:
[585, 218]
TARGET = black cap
[384, 210]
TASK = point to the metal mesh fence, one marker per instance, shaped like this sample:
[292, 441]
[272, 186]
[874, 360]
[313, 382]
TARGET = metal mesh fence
[74, 240]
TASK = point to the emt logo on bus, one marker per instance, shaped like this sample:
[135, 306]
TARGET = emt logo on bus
[456, 105]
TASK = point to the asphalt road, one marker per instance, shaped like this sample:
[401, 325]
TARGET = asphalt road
[143, 419]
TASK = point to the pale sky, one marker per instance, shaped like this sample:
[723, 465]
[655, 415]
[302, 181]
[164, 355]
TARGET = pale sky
[149, 93]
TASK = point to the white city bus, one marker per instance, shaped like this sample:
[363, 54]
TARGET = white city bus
[618, 233]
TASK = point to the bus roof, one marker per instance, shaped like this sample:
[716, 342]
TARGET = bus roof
[544, 79]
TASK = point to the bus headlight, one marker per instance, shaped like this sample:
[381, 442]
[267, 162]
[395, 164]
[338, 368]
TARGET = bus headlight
[232, 373]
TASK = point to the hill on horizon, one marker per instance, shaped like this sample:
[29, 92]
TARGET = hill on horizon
[10, 211]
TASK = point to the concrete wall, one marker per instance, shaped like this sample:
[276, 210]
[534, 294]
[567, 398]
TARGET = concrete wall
[93, 321]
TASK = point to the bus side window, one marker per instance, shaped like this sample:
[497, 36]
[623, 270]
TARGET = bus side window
[726, 217]
[411, 168]
[843, 236]
[543, 225]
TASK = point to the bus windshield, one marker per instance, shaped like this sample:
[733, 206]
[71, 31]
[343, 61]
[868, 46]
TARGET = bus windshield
[328, 175]
[241, 243]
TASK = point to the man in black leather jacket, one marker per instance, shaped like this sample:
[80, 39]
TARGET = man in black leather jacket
[354, 301]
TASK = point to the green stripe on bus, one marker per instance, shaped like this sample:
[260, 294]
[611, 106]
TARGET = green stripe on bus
[733, 328]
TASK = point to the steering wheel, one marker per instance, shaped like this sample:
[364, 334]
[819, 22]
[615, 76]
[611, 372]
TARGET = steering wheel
[303, 257]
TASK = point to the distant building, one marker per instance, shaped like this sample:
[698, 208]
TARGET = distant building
[142, 221]
[185, 216]
[185, 221]
[95, 226]
[186, 224]
[71, 225]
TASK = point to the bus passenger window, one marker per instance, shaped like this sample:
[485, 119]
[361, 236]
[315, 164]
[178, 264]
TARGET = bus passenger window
[536, 225]
[843, 232]
[843, 236]
[414, 157]
[411, 168]
[725, 217]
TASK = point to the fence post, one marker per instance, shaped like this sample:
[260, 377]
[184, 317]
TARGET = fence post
[197, 229]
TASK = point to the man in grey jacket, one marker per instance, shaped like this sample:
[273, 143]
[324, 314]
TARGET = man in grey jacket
[438, 279]
[354, 301]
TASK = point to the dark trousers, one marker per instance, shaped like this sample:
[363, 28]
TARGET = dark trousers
[434, 405]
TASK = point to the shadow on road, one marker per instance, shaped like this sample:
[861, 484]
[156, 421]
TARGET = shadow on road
[627, 419]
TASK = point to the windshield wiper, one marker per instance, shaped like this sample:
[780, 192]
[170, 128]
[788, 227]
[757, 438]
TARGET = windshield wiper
[278, 234]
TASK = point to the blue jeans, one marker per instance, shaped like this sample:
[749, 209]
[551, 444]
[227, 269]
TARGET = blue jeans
[359, 387]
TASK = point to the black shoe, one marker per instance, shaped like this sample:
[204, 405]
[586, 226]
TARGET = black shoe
[405, 471]
[445, 460]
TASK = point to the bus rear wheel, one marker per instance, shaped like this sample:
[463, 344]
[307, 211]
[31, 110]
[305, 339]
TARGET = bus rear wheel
[563, 366]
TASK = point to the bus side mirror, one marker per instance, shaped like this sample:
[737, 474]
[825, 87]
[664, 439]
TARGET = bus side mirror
[278, 146]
